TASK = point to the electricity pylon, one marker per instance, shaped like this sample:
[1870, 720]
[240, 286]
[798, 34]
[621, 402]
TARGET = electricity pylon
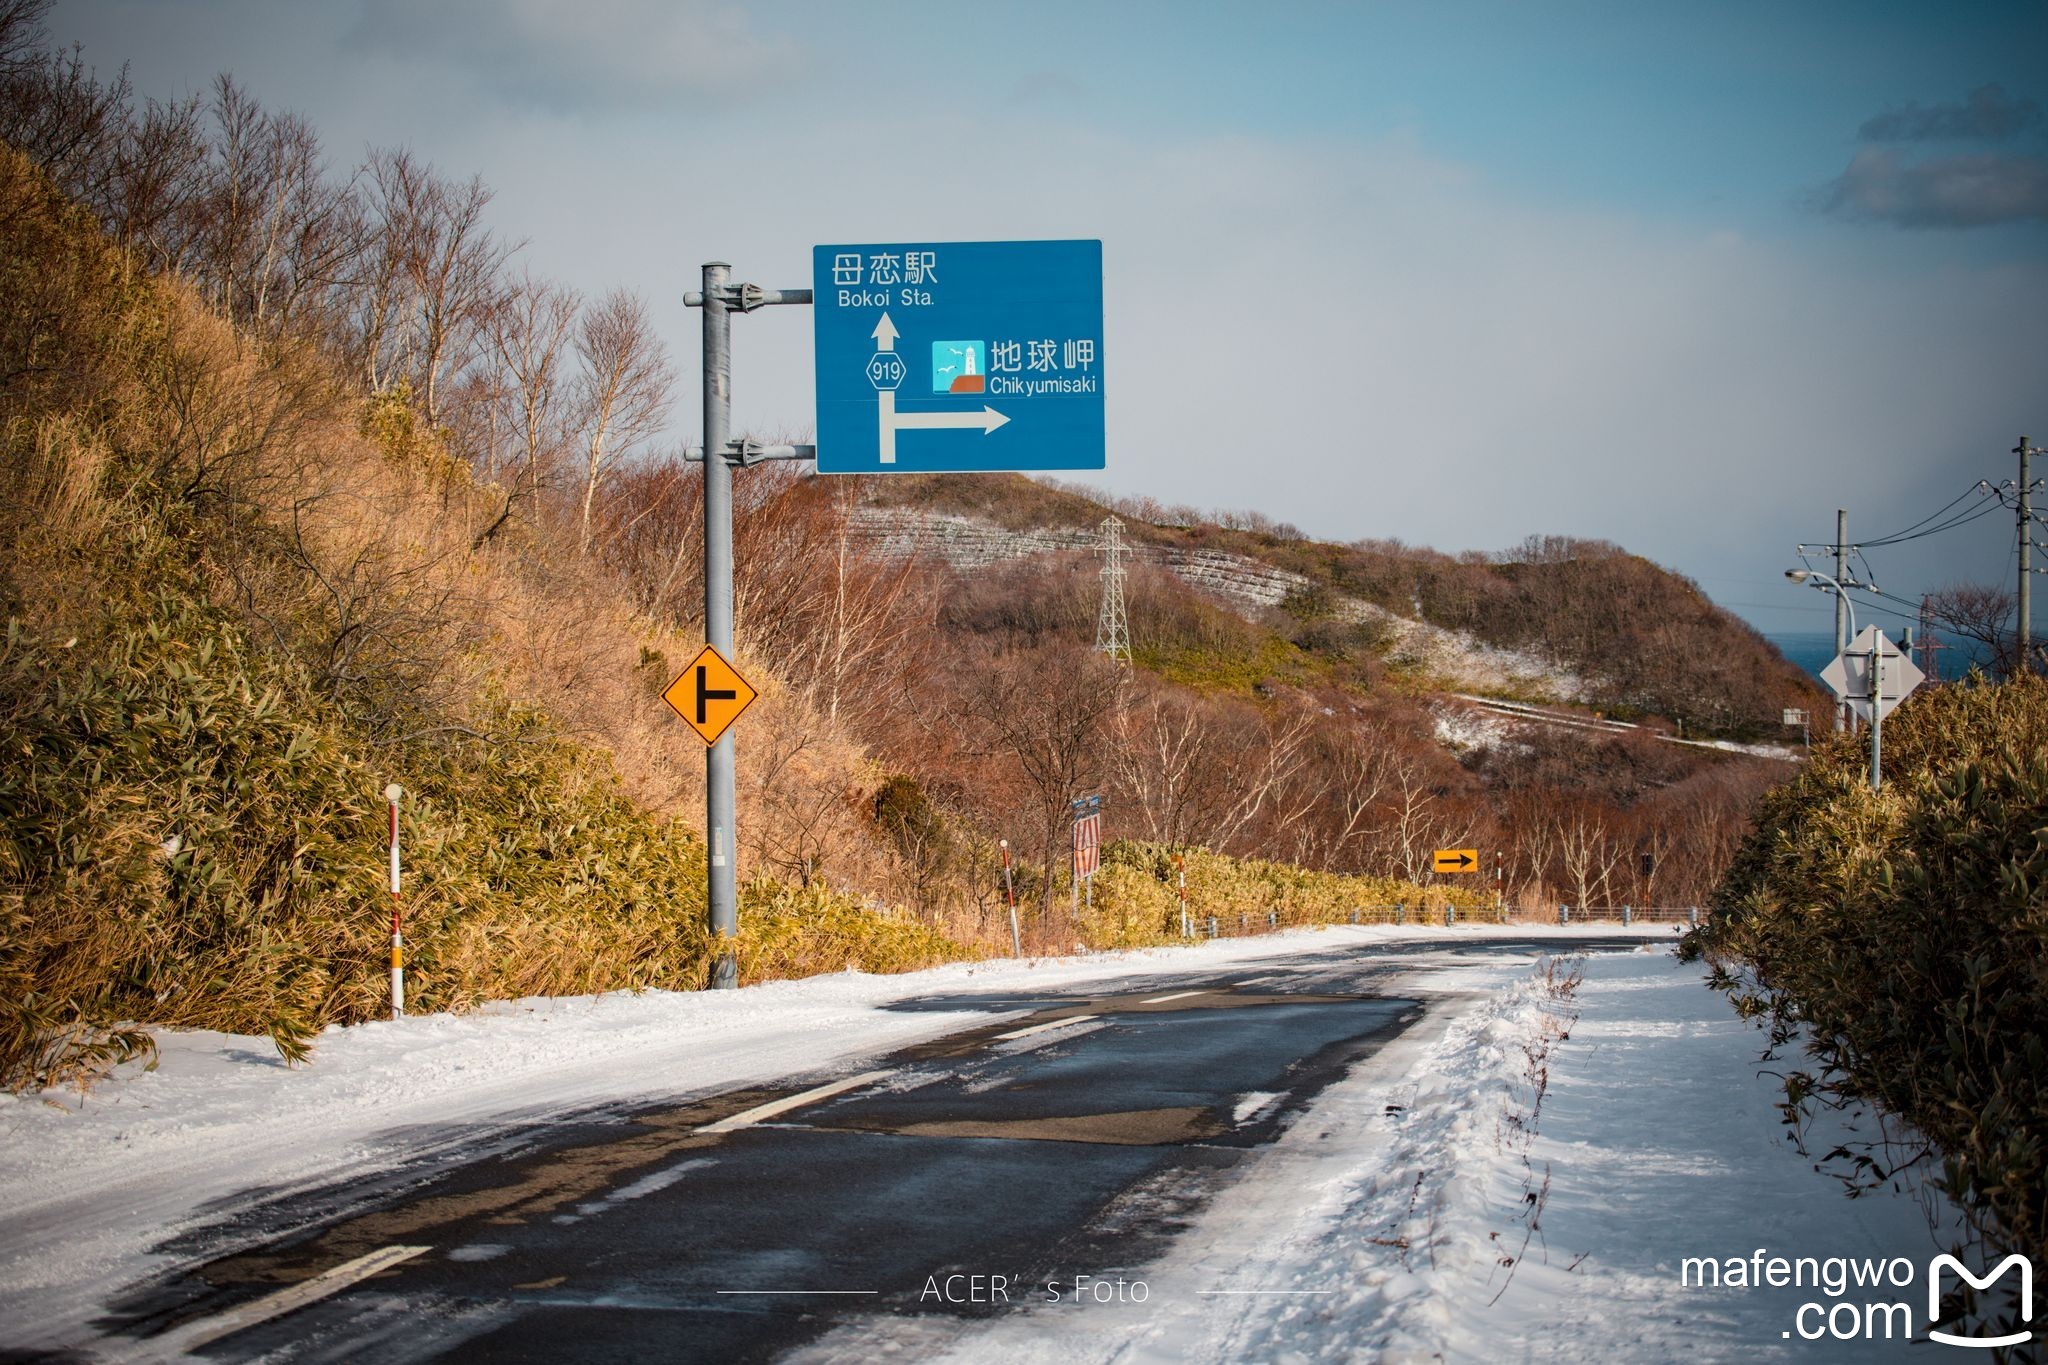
[1112, 628]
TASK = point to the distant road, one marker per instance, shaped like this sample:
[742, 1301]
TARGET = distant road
[1573, 720]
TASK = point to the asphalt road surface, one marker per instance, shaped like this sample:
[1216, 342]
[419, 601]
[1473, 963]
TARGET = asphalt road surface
[958, 1177]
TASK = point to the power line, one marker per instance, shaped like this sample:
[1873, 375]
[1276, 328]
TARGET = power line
[1895, 536]
[1960, 519]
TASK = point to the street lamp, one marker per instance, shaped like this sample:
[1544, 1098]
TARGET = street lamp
[1801, 575]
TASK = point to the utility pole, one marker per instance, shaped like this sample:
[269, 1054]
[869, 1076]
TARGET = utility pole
[1841, 576]
[1927, 642]
[720, 453]
[2026, 592]
[1112, 629]
[1843, 715]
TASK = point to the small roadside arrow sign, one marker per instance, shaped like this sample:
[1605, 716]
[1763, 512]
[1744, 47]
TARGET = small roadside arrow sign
[710, 694]
[1457, 859]
[1849, 675]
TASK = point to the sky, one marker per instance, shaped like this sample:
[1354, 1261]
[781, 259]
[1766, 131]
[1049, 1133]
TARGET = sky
[1687, 278]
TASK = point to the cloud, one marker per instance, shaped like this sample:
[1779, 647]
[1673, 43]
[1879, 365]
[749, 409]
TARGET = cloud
[1366, 338]
[593, 54]
[1046, 87]
[1988, 115]
[1962, 191]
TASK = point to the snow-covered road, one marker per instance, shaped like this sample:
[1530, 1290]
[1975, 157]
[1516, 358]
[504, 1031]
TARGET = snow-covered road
[1391, 1217]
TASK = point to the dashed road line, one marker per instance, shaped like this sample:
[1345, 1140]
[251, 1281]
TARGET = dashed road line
[192, 1335]
[1041, 1028]
[1162, 999]
[800, 1291]
[749, 1117]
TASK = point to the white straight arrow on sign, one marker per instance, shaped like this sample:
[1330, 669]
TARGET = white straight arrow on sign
[987, 420]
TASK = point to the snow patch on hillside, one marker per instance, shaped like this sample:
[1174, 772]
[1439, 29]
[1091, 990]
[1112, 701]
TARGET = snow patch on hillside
[1438, 657]
[1470, 729]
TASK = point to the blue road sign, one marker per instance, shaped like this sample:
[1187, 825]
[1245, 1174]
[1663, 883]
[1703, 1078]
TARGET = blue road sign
[946, 356]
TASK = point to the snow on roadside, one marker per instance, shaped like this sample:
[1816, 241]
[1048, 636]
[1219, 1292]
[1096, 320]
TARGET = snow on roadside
[1395, 1220]
[89, 1187]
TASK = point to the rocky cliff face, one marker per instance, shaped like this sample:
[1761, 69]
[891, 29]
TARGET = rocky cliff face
[967, 544]
[1444, 658]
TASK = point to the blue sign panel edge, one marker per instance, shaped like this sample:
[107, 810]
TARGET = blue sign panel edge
[905, 332]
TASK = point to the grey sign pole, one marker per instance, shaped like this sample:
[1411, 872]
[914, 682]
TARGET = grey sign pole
[719, 818]
[720, 453]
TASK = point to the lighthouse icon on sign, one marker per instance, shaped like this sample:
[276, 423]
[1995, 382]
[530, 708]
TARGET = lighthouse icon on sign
[957, 367]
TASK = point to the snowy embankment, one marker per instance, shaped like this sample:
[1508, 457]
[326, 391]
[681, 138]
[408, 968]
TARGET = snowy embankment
[1544, 1180]
[91, 1186]
[1525, 1183]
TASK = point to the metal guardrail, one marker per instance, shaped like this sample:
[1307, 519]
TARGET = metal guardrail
[1250, 924]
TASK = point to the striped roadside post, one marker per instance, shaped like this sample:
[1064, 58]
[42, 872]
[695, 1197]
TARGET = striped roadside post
[391, 794]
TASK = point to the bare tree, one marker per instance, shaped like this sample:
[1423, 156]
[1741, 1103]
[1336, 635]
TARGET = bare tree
[1407, 835]
[627, 382]
[1354, 763]
[1200, 772]
[1588, 851]
[1044, 710]
[454, 267]
[529, 337]
[1162, 750]
[859, 618]
[1983, 614]
[56, 110]
[1260, 778]
[431, 278]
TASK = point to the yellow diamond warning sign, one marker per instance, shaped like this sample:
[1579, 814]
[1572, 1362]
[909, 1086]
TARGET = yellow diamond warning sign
[710, 694]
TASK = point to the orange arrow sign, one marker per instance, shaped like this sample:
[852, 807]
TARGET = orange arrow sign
[1456, 859]
[710, 694]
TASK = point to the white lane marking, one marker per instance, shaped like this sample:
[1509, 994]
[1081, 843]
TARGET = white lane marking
[1253, 1103]
[193, 1335]
[1041, 1028]
[799, 1291]
[748, 1118]
[1162, 999]
[1208, 1293]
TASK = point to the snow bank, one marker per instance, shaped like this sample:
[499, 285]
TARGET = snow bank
[1522, 1182]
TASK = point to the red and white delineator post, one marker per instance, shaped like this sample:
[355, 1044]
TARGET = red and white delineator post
[391, 794]
[1010, 890]
[1180, 865]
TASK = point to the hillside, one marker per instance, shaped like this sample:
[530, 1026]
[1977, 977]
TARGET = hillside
[239, 601]
[1555, 619]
